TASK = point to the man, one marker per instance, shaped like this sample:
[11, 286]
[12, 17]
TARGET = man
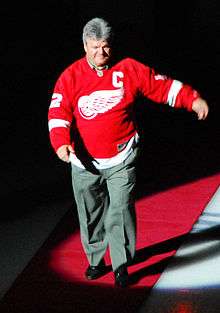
[91, 124]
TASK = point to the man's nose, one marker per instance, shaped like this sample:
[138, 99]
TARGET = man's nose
[101, 50]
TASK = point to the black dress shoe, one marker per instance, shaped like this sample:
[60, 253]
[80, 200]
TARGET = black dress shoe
[94, 272]
[121, 276]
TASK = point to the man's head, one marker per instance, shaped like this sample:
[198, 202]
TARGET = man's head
[97, 40]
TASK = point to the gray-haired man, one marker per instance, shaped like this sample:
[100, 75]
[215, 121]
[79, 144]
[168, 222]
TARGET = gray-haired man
[92, 125]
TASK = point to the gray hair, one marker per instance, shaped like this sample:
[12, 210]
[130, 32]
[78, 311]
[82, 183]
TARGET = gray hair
[98, 29]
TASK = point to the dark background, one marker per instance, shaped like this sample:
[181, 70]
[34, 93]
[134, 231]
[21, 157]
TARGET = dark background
[39, 39]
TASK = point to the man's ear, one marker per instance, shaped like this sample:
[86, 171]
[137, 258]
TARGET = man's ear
[85, 47]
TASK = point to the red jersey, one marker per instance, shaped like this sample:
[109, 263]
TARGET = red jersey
[99, 106]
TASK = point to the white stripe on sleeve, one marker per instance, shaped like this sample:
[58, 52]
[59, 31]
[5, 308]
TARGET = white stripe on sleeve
[173, 92]
[53, 123]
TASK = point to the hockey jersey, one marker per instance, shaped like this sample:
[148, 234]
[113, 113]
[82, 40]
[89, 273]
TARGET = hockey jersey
[94, 110]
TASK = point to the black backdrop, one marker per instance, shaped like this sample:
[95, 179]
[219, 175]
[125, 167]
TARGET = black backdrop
[41, 38]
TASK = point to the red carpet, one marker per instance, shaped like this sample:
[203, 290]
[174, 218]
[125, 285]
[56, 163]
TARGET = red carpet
[54, 279]
[163, 216]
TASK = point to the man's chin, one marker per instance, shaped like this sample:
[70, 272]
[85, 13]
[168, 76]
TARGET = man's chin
[102, 62]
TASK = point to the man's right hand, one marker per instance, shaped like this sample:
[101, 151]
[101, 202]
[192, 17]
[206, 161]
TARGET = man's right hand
[64, 151]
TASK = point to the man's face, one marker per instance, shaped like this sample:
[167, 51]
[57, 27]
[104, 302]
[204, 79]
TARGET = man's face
[98, 51]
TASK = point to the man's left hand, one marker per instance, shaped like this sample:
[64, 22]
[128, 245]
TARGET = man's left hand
[200, 107]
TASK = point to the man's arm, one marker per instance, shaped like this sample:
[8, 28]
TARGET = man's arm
[166, 90]
[60, 117]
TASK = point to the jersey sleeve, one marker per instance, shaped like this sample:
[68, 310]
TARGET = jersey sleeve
[165, 90]
[60, 111]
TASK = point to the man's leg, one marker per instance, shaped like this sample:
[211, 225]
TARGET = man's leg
[120, 222]
[92, 200]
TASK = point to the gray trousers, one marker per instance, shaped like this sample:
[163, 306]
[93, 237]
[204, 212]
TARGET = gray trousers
[106, 211]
